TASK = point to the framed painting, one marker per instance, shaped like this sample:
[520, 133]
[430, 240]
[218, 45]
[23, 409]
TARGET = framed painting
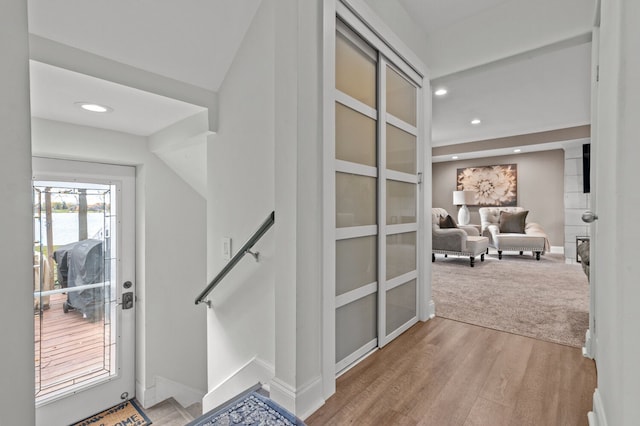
[492, 185]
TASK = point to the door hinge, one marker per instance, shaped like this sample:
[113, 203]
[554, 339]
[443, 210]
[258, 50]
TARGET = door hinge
[419, 177]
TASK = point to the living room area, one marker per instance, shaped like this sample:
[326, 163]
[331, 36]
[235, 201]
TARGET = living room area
[546, 299]
[533, 155]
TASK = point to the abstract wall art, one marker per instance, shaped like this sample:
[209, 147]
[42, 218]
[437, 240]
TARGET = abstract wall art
[492, 185]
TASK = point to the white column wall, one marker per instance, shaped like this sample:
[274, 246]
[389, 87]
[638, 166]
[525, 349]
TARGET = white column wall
[616, 232]
[170, 258]
[17, 404]
[265, 317]
[240, 179]
[283, 386]
[298, 383]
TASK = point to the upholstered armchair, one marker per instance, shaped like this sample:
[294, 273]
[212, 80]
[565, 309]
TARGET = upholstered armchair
[508, 230]
[449, 238]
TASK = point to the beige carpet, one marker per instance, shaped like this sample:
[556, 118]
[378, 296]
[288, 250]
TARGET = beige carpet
[546, 299]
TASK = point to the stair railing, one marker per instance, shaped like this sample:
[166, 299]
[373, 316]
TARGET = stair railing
[246, 249]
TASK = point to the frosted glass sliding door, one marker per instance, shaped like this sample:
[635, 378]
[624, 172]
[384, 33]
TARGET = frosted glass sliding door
[376, 199]
[356, 199]
[398, 234]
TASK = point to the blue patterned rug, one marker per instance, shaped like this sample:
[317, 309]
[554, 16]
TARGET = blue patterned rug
[250, 408]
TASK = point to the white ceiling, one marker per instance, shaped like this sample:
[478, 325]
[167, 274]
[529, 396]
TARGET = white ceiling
[55, 91]
[195, 41]
[433, 15]
[192, 41]
[545, 91]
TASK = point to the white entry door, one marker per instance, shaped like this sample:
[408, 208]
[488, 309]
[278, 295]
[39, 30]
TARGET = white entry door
[84, 288]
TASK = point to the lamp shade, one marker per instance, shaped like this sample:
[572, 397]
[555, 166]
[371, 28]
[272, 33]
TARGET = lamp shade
[463, 197]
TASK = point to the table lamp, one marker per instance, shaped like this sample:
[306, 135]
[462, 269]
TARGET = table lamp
[462, 198]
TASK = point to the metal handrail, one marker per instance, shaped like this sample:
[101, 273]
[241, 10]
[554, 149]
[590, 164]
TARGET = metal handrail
[246, 248]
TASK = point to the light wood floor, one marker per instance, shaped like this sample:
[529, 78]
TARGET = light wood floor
[446, 373]
[171, 413]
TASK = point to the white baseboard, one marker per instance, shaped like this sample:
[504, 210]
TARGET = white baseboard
[431, 310]
[303, 401]
[597, 416]
[254, 371]
[283, 394]
[165, 388]
[145, 396]
[588, 350]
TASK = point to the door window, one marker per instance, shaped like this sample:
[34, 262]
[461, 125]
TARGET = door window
[74, 299]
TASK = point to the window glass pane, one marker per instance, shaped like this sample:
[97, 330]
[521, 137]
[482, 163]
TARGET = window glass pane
[401, 150]
[355, 325]
[355, 72]
[401, 254]
[355, 136]
[74, 301]
[401, 305]
[356, 263]
[401, 97]
[355, 200]
[401, 202]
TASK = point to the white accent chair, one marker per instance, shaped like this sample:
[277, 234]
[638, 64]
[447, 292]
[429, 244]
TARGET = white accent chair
[533, 239]
[465, 240]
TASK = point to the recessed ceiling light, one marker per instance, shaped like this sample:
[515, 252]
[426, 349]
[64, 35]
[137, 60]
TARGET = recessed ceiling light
[455, 157]
[517, 150]
[89, 106]
[476, 121]
[440, 92]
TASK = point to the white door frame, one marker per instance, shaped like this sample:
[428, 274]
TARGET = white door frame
[589, 349]
[96, 397]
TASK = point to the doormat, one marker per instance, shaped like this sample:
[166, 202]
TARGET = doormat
[127, 413]
[249, 409]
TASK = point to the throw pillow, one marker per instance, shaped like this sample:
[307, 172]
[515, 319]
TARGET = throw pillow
[447, 222]
[513, 223]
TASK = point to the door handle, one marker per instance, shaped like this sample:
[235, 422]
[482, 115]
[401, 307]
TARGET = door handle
[589, 216]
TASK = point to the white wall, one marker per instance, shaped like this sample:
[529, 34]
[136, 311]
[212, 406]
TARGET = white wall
[265, 321]
[170, 264]
[401, 23]
[240, 176]
[540, 189]
[509, 28]
[16, 255]
[298, 118]
[617, 201]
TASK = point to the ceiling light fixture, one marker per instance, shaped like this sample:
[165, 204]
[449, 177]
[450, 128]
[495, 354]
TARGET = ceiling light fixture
[517, 150]
[89, 106]
[455, 157]
[476, 121]
[440, 92]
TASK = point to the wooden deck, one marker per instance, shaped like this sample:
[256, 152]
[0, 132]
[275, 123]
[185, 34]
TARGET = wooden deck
[69, 350]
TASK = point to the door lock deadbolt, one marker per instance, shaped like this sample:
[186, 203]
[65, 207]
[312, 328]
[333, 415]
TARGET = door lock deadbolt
[127, 300]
